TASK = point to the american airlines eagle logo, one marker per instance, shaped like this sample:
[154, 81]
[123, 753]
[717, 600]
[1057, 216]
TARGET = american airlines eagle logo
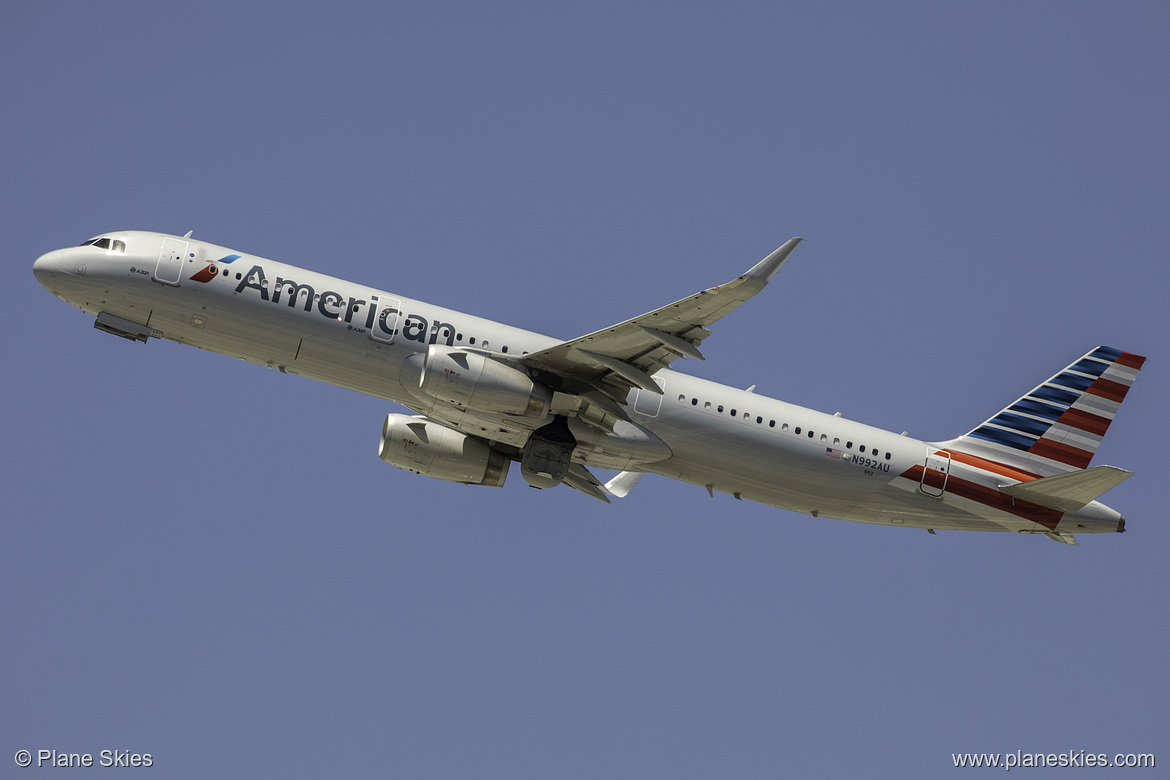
[209, 272]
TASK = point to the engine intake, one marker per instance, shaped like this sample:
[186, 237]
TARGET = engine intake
[471, 380]
[433, 450]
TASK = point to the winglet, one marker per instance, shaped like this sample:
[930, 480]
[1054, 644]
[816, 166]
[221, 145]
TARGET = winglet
[767, 268]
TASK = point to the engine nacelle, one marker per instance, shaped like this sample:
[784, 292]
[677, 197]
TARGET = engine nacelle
[433, 450]
[475, 381]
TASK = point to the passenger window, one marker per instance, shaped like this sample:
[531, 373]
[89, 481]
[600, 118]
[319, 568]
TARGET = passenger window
[810, 434]
[887, 456]
[797, 430]
[759, 420]
[836, 441]
[720, 410]
[862, 448]
[682, 398]
[848, 445]
[707, 405]
[694, 402]
[733, 413]
[784, 427]
[771, 423]
[824, 437]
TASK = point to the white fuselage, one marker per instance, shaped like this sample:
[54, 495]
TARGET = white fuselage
[722, 438]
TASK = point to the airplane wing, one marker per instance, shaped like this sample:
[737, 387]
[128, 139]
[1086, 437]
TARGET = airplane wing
[611, 361]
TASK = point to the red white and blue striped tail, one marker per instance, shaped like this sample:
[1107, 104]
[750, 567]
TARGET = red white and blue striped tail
[1056, 428]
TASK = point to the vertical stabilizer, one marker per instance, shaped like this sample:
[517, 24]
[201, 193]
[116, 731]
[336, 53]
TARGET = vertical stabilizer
[1057, 427]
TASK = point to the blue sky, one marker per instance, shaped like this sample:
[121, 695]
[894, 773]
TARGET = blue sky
[206, 561]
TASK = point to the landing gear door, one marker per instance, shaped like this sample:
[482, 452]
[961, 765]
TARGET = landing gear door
[936, 473]
[385, 320]
[170, 261]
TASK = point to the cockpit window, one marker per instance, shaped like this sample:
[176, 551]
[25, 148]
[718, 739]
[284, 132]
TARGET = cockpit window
[105, 242]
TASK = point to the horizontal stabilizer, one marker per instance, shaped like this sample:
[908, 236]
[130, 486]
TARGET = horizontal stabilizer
[621, 485]
[1069, 492]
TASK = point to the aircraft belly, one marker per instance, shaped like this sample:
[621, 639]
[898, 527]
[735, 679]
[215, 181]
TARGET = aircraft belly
[324, 351]
[762, 466]
[898, 507]
[902, 503]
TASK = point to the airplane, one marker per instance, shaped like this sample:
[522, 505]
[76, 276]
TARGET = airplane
[484, 395]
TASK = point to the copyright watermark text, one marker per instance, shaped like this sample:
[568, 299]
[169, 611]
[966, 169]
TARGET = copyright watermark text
[103, 758]
[1070, 758]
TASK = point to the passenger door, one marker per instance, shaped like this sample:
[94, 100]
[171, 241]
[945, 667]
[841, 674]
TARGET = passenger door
[934, 476]
[385, 321]
[170, 261]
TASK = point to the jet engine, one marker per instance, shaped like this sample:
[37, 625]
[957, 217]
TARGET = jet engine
[471, 380]
[433, 450]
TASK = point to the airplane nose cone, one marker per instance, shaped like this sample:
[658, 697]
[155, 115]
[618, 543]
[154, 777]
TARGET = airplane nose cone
[46, 268]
